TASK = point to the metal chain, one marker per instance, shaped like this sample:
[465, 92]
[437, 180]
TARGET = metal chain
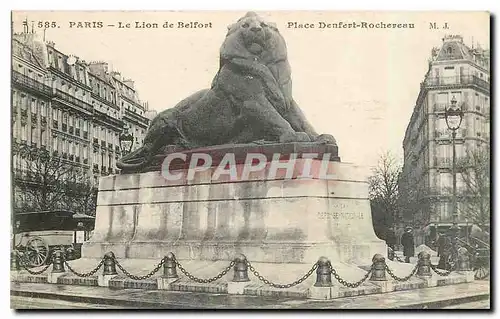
[23, 264]
[439, 272]
[272, 284]
[389, 271]
[88, 274]
[350, 284]
[147, 276]
[201, 280]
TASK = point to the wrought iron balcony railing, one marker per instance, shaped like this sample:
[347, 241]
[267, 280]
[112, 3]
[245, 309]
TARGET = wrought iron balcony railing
[72, 100]
[457, 80]
[20, 78]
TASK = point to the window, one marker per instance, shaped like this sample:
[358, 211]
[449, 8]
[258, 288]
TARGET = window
[33, 106]
[24, 132]
[55, 143]
[85, 152]
[43, 138]
[70, 148]
[103, 134]
[43, 109]
[65, 118]
[85, 125]
[23, 102]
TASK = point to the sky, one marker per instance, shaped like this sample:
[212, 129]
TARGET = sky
[360, 85]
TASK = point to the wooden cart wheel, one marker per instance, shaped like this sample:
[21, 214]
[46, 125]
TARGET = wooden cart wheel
[37, 252]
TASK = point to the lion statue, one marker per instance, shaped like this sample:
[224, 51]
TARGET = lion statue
[250, 100]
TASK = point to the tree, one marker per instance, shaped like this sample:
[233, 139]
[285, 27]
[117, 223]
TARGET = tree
[46, 181]
[475, 194]
[384, 193]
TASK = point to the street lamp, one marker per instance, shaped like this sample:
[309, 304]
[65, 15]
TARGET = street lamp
[453, 116]
[126, 142]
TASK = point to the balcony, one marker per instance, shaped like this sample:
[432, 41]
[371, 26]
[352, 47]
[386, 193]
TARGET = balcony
[77, 159]
[71, 157]
[96, 141]
[457, 81]
[73, 101]
[65, 155]
[21, 79]
[85, 135]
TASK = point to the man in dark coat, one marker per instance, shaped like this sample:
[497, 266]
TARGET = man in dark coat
[408, 244]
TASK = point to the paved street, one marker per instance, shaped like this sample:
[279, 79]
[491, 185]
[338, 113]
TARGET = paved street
[23, 303]
[31, 296]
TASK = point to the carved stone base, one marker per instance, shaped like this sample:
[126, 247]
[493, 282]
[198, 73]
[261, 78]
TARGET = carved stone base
[274, 220]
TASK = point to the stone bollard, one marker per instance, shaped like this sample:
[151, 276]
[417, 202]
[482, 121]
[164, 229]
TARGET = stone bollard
[109, 264]
[378, 270]
[240, 269]
[14, 261]
[169, 267]
[169, 273]
[322, 289]
[109, 270]
[57, 267]
[58, 262]
[323, 273]
[240, 278]
[424, 264]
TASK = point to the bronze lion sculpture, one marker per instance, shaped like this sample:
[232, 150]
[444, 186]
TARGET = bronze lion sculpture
[250, 100]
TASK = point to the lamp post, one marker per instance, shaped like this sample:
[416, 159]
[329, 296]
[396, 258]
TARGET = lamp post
[453, 116]
[126, 142]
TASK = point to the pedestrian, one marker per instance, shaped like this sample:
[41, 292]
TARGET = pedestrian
[408, 244]
[441, 244]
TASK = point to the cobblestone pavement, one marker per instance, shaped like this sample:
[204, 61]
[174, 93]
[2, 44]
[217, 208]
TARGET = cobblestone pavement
[481, 304]
[430, 298]
[27, 303]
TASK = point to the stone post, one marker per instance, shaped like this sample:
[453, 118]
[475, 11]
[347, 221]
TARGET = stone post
[424, 264]
[109, 264]
[463, 264]
[378, 270]
[169, 267]
[240, 269]
[57, 267]
[240, 278]
[109, 270]
[323, 273]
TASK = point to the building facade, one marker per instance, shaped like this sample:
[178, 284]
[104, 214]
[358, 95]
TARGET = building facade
[458, 73]
[74, 110]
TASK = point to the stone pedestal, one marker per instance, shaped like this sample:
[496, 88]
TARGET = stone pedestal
[268, 219]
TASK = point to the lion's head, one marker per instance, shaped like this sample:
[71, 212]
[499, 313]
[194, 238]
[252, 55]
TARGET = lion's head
[251, 37]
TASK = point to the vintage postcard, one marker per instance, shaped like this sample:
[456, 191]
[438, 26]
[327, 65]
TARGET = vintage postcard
[250, 160]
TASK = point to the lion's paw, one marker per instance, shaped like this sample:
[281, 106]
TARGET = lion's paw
[325, 139]
[294, 137]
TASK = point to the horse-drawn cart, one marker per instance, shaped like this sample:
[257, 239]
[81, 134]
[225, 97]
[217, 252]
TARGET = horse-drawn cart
[38, 234]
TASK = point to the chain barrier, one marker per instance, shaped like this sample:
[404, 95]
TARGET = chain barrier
[147, 276]
[439, 272]
[482, 277]
[351, 284]
[275, 285]
[23, 263]
[87, 274]
[208, 280]
[389, 271]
